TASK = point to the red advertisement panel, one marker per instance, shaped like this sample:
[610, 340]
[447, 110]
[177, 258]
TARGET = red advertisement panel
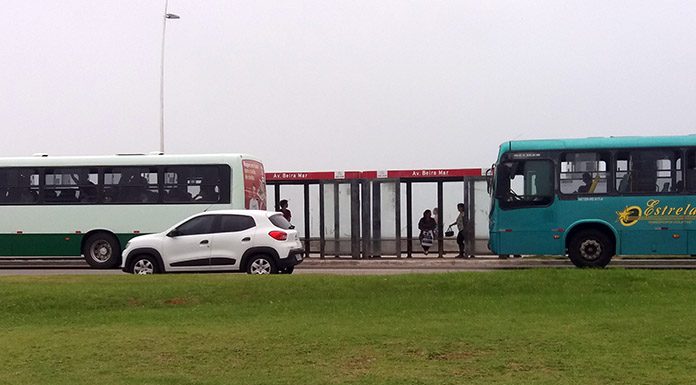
[254, 185]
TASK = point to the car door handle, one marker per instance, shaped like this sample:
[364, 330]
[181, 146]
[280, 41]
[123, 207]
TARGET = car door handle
[246, 239]
[204, 242]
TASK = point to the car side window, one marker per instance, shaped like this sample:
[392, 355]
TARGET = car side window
[197, 225]
[279, 221]
[234, 223]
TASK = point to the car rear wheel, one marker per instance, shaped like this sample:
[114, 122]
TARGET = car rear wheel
[261, 264]
[144, 265]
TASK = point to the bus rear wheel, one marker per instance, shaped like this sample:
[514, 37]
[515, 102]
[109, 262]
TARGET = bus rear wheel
[590, 248]
[102, 251]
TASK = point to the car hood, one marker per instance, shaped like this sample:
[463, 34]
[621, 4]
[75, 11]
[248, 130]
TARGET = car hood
[149, 239]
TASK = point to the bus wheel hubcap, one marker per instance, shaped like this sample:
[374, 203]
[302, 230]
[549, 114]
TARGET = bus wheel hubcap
[101, 251]
[590, 249]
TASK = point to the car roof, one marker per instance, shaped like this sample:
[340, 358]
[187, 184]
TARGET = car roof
[264, 213]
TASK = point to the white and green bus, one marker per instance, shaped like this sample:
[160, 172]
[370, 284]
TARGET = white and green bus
[92, 205]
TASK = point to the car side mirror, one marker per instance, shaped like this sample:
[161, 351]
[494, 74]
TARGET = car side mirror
[291, 227]
[174, 233]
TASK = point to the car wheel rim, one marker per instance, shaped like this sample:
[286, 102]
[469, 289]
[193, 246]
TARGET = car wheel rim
[260, 266]
[143, 267]
[100, 251]
[590, 249]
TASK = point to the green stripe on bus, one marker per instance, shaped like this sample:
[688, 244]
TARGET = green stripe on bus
[47, 245]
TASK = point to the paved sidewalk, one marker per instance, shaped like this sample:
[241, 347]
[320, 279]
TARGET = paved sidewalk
[423, 262]
[488, 262]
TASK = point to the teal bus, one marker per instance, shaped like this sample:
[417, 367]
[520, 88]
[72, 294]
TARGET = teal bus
[593, 198]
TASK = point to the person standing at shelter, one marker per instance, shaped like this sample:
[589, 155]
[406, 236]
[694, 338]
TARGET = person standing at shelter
[436, 217]
[461, 223]
[283, 208]
[427, 226]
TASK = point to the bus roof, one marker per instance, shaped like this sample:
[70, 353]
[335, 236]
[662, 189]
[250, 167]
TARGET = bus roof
[599, 143]
[121, 160]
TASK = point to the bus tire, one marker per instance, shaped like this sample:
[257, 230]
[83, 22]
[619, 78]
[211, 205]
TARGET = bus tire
[102, 251]
[590, 248]
[261, 264]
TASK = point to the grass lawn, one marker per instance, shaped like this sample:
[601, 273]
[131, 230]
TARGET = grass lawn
[562, 326]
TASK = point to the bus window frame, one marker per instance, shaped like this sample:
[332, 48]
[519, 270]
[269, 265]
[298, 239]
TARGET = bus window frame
[683, 153]
[609, 173]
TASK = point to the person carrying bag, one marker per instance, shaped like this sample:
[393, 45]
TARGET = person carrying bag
[427, 226]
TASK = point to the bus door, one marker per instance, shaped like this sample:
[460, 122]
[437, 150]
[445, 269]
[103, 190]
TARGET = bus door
[690, 200]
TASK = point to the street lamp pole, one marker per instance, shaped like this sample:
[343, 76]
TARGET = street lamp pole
[164, 30]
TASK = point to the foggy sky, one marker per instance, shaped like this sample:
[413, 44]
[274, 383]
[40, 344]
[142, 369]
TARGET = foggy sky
[342, 85]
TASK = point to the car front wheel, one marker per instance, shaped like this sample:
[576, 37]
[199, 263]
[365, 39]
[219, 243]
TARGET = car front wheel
[261, 264]
[144, 265]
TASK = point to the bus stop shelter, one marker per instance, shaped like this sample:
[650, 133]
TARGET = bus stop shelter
[371, 214]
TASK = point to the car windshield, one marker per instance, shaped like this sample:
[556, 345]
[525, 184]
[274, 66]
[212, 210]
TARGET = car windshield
[279, 220]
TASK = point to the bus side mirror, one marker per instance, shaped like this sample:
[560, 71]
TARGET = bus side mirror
[489, 179]
[502, 179]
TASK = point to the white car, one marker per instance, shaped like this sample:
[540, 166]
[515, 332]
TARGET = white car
[255, 241]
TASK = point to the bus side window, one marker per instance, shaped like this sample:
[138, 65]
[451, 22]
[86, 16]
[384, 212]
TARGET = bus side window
[649, 171]
[3, 185]
[584, 173]
[624, 184]
[20, 188]
[691, 171]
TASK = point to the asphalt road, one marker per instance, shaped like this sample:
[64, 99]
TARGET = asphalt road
[346, 266]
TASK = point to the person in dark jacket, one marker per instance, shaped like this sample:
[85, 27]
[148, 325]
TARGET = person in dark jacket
[462, 222]
[283, 208]
[427, 226]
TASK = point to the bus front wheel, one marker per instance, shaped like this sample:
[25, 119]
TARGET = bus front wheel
[102, 251]
[590, 248]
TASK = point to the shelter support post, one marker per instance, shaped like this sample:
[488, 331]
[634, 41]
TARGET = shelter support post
[409, 219]
[355, 219]
[376, 219]
[322, 232]
[397, 204]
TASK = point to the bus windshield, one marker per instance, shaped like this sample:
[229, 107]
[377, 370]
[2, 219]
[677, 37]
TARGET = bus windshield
[524, 183]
